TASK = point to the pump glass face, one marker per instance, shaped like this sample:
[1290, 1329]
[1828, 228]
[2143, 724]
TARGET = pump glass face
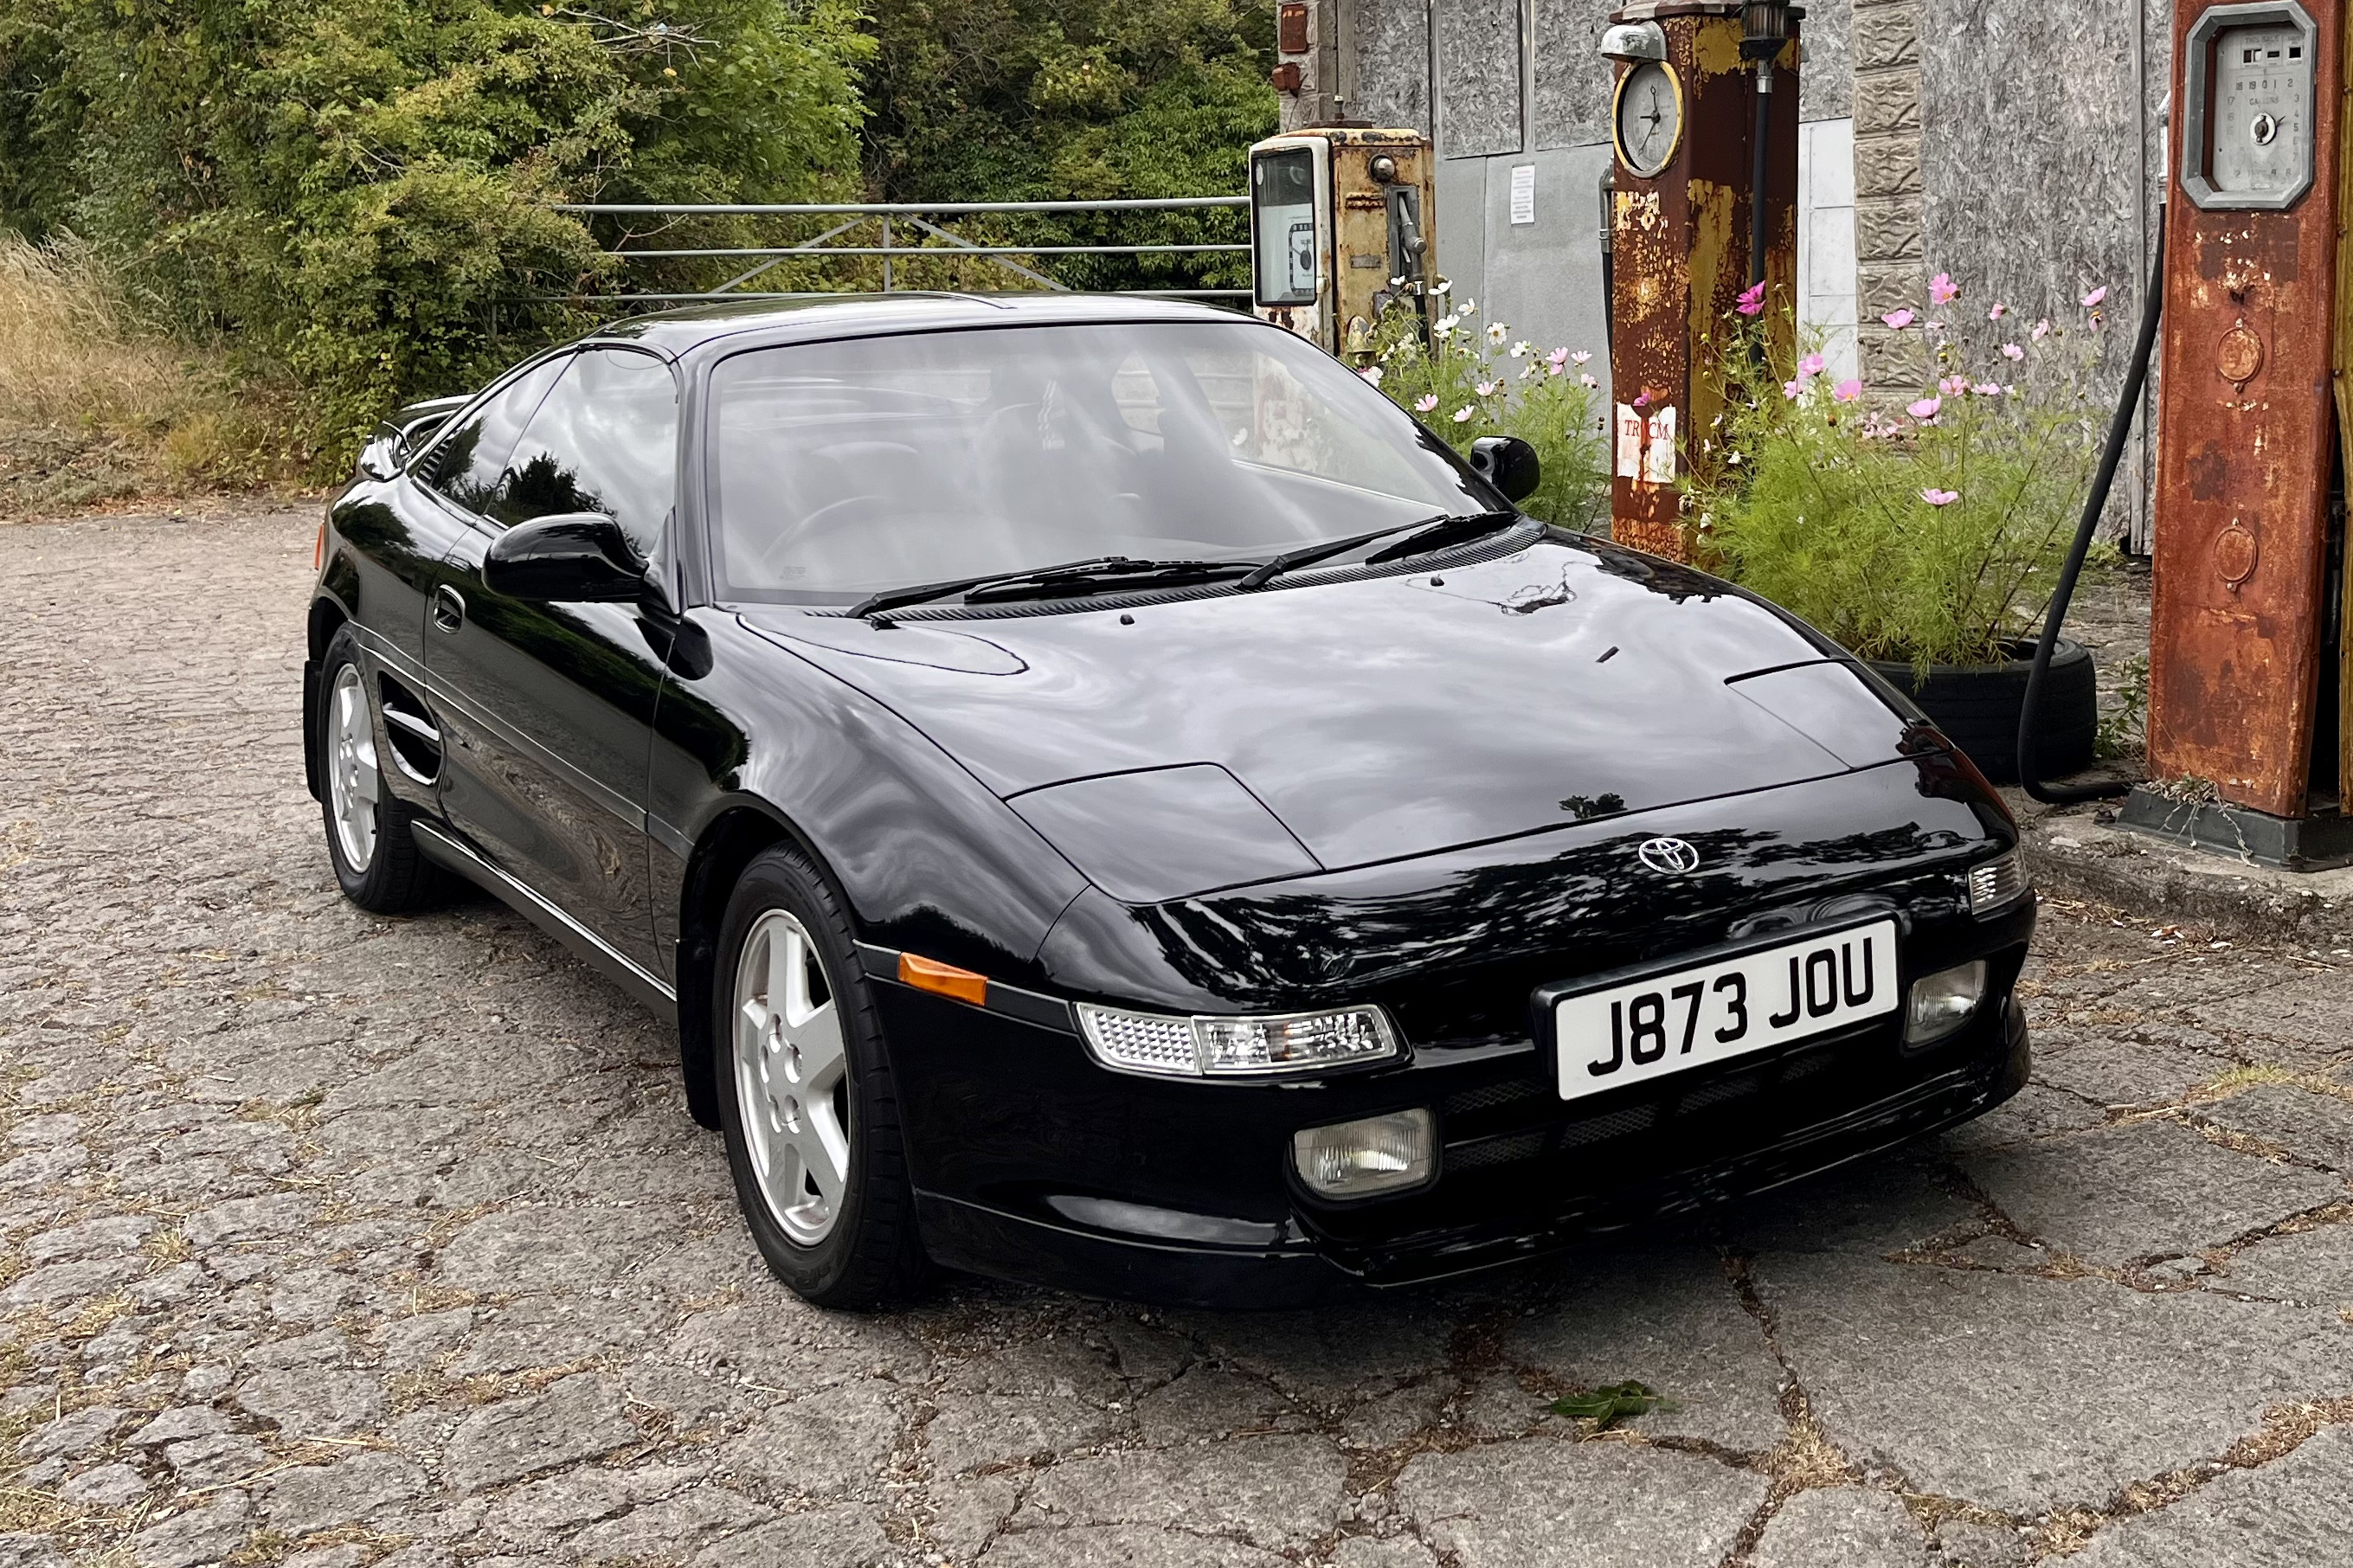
[1649, 117]
[1282, 224]
[2261, 121]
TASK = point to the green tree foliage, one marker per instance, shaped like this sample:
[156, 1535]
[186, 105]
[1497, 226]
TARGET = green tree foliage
[362, 189]
[1044, 100]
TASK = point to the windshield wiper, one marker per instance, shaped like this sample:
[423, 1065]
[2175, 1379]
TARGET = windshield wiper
[1043, 581]
[1443, 529]
[1111, 576]
[1443, 532]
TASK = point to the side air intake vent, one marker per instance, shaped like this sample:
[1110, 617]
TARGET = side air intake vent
[416, 739]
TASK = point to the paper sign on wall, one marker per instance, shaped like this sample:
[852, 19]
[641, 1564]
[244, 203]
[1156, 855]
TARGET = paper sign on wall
[1629, 442]
[1659, 465]
[1524, 193]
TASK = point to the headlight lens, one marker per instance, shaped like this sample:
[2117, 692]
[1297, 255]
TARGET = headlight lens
[1943, 1002]
[1999, 882]
[1220, 1046]
[1358, 1159]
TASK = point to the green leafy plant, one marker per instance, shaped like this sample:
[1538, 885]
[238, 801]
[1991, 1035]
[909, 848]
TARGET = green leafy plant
[1607, 1406]
[363, 191]
[1465, 380]
[1926, 528]
[2124, 727]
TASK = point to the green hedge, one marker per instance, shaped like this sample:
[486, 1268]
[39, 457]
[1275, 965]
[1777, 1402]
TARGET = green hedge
[360, 190]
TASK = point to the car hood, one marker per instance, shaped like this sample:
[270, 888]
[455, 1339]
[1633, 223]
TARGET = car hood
[1382, 716]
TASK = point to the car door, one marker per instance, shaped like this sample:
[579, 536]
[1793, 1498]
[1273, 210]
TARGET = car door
[548, 708]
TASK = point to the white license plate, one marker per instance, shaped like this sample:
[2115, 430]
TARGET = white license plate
[1666, 1024]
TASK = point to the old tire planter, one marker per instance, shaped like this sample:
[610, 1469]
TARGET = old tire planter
[1977, 706]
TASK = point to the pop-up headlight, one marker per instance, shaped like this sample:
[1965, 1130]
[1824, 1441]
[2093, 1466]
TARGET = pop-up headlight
[1224, 1046]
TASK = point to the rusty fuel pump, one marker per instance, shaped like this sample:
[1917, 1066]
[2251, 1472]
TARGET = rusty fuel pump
[2247, 743]
[1703, 207]
[1341, 223]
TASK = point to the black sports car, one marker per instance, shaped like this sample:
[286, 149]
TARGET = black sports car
[1112, 802]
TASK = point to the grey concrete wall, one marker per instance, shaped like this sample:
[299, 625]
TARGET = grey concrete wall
[1392, 63]
[2034, 196]
[1573, 81]
[1478, 76]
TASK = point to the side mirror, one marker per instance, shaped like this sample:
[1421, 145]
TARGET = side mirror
[566, 558]
[1509, 464]
[381, 458]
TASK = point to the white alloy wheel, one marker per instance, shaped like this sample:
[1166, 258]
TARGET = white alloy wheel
[353, 780]
[792, 1083]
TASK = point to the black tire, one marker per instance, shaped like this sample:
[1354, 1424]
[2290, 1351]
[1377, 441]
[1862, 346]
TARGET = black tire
[872, 1255]
[397, 878]
[1977, 706]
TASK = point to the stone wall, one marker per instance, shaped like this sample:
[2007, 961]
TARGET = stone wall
[2016, 144]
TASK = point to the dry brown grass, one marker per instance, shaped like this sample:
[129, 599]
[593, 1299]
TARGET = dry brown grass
[96, 405]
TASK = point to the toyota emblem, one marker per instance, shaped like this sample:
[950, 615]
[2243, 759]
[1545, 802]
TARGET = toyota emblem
[1672, 856]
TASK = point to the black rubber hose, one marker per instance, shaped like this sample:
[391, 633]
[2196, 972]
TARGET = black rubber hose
[1760, 170]
[2119, 428]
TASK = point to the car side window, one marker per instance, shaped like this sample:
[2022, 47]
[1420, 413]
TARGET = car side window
[605, 441]
[467, 464]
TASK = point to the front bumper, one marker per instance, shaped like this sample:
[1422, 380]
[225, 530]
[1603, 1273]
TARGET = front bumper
[1128, 1195]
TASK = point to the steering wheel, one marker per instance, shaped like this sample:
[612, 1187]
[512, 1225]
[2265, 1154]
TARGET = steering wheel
[851, 513]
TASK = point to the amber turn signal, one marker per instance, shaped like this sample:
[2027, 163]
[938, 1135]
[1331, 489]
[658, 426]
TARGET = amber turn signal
[947, 979]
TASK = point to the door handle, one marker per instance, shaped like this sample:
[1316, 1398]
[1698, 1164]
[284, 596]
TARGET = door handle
[448, 608]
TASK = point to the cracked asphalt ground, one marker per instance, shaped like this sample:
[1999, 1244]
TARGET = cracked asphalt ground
[332, 1240]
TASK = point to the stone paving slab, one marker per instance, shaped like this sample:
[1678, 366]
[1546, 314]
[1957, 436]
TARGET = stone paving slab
[340, 1242]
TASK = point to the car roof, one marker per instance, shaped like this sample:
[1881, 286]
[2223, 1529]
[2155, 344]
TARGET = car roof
[807, 317]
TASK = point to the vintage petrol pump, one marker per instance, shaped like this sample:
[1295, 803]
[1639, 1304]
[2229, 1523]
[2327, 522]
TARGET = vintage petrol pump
[1705, 205]
[1341, 220]
[2246, 743]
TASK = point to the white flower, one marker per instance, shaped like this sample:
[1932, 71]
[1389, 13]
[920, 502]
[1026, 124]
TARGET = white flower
[1463, 415]
[1590, 384]
[1371, 372]
[1440, 286]
[1470, 307]
[1520, 349]
[1497, 332]
[1445, 324]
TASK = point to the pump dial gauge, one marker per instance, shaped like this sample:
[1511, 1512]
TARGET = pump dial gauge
[1650, 117]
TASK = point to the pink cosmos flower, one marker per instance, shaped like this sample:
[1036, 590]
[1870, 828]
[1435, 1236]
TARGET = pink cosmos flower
[1987, 389]
[1487, 388]
[1463, 415]
[1582, 356]
[1935, 326]
[1591, 383]
[1847, 391]
[1558, 360]
[1752, 300]
[2042, 329]
[2012, 352]
[2093, 300]
[1425, 402]
[1789, 389]
[1953, 385]
[1998, 312]
[1942, 290]
[1940, 497]
[1811, 366]
[1899, 320]
[1926, 409]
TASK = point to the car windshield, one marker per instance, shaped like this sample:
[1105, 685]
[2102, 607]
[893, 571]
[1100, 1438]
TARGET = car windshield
[843, 468]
